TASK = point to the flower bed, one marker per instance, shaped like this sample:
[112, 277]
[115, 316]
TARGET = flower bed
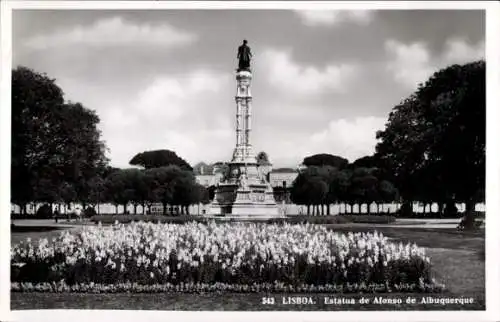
[206, 257]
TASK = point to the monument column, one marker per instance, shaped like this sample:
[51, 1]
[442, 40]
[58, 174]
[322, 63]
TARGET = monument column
[239, 123]
[242, 152]
[244, 192]
[248, 127]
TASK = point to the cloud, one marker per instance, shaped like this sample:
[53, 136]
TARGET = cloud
[458, 51]
[350, 138]
[169, 114]
[412, 63]
[171, 96]
[318, 17]
[286, 74]
[113, 32]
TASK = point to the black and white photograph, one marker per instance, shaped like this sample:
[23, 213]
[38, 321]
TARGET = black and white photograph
[244, 157]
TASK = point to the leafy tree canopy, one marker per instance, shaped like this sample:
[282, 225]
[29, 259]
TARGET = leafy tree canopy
[159, 158]
[324, 159]
[436, 138]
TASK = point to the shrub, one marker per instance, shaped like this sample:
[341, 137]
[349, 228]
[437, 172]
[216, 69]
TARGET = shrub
[290, 257]
[435, 215]
[450, 210]
[370, 219]
[406, 210]
[44, 212]
[341, 219]
[89, 212]
[125, 219]
[300, 219]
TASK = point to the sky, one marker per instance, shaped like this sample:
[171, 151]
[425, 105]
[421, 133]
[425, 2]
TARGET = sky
[323, 81]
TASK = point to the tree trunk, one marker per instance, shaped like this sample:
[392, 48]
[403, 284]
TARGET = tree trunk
[116, 209]
[308, 210]
[440, 208]
[164, 208]
[469, 215]
[135, 209]
[328, 211]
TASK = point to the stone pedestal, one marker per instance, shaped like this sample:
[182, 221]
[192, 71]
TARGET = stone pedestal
[244, 193]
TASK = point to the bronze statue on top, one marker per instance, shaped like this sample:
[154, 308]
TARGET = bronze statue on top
[244, 57]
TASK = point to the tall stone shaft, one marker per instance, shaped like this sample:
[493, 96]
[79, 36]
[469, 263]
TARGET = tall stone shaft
[243, 151]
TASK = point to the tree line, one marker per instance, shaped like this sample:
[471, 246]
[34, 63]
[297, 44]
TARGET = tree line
[432, 149]
[329, 179]
[58, 156]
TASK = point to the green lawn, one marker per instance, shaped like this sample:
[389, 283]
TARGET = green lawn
[457, 257]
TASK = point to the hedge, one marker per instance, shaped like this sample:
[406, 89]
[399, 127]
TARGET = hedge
[338, 219]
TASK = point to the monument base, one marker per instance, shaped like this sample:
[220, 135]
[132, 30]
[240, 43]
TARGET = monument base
[244, 197]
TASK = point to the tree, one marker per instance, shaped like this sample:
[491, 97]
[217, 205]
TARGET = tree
[116, 189]
[317, 191]
[136, 187]
[325, 159]
[262, 158]
[82, 148]
[34, 97]
[97, 191]
[162, 184]
[364, 187]
[53, 142]
[342, 184]
[67, 193]
[211, 192]
[310, 188]
[203, 194]
[186, 191]
[387, 192]
[159, 158]
[441, 127]
[368, 161]
[401, 147]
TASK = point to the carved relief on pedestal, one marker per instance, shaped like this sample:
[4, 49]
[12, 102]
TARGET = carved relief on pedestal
[258, 197]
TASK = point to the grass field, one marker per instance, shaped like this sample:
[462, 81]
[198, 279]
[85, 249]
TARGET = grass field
[457, 258]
